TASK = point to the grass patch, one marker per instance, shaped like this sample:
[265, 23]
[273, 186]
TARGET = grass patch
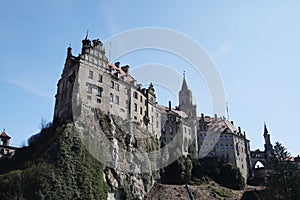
[220, 192]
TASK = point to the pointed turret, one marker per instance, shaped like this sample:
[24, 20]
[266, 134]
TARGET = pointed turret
[268, 146]
[184, 86]
[185, 99]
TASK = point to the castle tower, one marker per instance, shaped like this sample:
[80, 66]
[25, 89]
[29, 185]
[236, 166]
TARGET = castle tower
[185, 100]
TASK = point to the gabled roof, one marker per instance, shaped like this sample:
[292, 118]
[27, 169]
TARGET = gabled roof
[166, 110]
[221, 123]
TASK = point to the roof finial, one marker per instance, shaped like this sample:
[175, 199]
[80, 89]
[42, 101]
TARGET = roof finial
[227, 110]
[87, 34]
[183, 73]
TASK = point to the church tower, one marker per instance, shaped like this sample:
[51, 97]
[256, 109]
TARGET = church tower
[185, 100]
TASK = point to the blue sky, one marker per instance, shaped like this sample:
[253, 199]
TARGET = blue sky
[254, 45]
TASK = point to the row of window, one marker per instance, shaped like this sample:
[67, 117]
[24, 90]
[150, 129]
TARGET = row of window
[225, 137]
[96, 53]
[111, 98]
[115, 86]
[170, 130]
[90, 89]
[221, 146]
[170, 118]
[91, 76]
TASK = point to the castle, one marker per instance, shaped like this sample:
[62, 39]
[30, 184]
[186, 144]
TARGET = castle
[93, 81]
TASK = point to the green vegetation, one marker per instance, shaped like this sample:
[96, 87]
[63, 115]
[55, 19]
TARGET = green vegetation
[179, 172]
[54, 166]
[219, 192]
[225, 174]
[285, 178]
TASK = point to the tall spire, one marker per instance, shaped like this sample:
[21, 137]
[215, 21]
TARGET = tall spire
[265, 129]
[184, 84]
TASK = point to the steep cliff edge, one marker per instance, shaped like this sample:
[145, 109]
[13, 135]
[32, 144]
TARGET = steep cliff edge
[58, 165]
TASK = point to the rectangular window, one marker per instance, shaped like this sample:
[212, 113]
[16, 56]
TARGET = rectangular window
[226, 145]
[100, 78]
[91, 74]
[126, 104]
[99, 91]
[117, 100]
[117, 86]
[126, 90]
[89, 97]
[171, 129]
[141, 99]
[90, 87]
[135, 107]
[111, 97]
[98, 100]
[112, 84]
[135, 94]
[141, 110]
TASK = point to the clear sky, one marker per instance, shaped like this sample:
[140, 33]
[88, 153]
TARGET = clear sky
[255, 45]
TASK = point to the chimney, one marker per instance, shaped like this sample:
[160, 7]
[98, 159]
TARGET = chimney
[117, 64]
[202, 117]
[170, 106]
[125, 69]
[231, 122]
[216, 117]
[239, 129]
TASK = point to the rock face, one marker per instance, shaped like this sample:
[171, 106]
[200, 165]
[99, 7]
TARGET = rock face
[122, 146]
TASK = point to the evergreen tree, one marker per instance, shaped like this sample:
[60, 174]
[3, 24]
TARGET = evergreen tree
[285, 179]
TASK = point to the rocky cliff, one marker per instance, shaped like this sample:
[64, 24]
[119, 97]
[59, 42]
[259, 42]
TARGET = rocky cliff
[61, 162]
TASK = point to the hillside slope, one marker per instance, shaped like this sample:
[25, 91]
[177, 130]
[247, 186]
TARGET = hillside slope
[54, 166]
[207, 191]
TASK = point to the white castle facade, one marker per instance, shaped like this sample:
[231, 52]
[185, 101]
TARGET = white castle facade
[92, 80]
